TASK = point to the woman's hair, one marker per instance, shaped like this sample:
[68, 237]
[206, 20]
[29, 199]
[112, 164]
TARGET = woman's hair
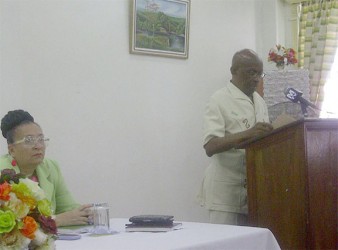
[12, 120]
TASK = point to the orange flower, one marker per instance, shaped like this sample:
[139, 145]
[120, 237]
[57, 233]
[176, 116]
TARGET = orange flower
[5, 189]
[29, 227]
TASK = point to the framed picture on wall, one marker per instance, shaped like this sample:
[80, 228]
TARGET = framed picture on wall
[160, 27]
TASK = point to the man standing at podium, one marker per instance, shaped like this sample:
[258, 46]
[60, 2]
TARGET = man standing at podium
[234, 114]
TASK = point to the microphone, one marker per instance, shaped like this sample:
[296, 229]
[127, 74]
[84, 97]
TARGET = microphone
[295, 96]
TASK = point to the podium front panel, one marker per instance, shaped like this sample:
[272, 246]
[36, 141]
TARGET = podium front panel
[292, 184]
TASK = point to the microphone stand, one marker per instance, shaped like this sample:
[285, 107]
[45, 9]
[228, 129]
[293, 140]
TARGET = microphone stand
[304, 109]
[305, 113]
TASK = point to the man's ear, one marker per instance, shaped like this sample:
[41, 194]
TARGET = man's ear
[233, 70]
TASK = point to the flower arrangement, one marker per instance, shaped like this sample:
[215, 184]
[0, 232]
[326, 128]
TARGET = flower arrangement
[282, 56]
[25, 214]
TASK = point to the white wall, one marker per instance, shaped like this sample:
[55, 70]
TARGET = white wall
[125, 128]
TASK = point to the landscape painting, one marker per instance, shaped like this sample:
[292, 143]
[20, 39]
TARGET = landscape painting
[161, 27]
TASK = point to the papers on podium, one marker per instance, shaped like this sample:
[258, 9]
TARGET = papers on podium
[282, 120]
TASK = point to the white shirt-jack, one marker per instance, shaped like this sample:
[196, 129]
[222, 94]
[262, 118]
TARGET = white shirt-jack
[224, 184]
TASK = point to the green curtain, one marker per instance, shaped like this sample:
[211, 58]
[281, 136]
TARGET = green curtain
[318, 42]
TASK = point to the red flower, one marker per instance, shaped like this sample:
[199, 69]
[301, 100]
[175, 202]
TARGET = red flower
[8, 175]
[48, 224]
[282, 55]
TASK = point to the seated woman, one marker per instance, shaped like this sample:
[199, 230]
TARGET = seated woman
[26, 155]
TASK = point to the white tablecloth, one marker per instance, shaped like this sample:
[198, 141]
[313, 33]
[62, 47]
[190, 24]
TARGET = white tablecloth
[191, 236]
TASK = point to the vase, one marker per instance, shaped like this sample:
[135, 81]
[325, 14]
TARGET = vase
[280, 67]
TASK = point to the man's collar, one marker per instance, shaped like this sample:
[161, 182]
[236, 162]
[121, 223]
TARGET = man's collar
[236, 92]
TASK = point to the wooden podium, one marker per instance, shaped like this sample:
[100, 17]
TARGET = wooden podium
[292, 183]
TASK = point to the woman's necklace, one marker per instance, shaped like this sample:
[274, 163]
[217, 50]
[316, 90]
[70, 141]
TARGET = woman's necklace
[34, 177]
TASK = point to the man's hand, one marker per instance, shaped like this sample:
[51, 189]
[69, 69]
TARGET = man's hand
[220, 144]
[259, 128]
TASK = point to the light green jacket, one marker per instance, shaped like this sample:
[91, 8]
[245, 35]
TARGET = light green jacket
[51, 181]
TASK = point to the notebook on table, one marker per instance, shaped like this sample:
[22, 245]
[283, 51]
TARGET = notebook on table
[152, 223]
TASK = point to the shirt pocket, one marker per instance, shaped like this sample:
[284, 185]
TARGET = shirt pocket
[237, 123]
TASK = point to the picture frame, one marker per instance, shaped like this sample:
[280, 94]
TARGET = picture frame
[160, 28]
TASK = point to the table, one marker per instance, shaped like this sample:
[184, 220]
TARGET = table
[192, 236]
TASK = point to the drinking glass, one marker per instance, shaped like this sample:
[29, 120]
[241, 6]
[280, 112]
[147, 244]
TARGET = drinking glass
[100, 218]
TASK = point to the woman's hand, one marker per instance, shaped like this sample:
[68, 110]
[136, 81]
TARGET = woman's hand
[78, 216]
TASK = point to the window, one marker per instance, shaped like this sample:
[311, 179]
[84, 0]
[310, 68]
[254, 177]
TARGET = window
[330, 107]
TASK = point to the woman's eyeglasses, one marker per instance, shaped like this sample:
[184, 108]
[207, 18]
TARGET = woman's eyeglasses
[31, 141]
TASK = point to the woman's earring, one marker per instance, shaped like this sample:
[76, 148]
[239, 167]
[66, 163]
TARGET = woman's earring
[13, 162]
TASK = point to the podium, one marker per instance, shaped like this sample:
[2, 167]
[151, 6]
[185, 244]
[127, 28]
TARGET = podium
[292, 183]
